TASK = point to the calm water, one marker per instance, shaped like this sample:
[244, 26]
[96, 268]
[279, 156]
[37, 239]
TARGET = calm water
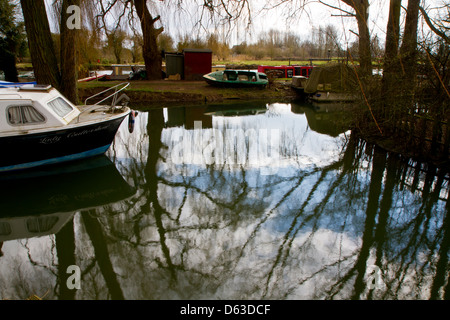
[241, 202]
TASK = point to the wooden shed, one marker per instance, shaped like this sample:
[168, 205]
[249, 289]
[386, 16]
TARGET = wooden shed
[197, 62]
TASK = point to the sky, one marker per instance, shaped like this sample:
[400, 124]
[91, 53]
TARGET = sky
[300, 22]
[178, 22]
[314, 15]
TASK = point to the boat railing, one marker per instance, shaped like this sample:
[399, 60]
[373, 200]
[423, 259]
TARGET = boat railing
[116, 89]
[115, 97]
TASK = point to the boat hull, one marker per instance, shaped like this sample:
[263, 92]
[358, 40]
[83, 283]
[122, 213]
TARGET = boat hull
[32, 150]
[231, 84]
[327, 97]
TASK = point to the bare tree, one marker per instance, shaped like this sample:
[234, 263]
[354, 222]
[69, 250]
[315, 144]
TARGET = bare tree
[440, 27]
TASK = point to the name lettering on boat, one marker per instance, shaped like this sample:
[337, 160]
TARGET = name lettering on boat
[85, 132]
[50, 140]
[56, 139]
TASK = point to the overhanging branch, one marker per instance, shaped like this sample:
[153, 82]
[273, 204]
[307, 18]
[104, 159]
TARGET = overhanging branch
[348, 13]
[432, 26]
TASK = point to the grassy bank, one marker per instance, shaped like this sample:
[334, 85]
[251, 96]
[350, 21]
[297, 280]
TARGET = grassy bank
[166, 92]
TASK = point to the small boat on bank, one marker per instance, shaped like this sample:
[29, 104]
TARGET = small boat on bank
[237, 78]
[39, 126]
[328, 84]
[7, 84]
[92, 78]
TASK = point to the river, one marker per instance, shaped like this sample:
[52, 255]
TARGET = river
[239, 201]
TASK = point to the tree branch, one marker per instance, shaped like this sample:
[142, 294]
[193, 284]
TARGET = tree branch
[156, 19]
[337, 8]
[432, 26]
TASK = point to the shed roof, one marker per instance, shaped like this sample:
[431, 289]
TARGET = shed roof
[198, 50]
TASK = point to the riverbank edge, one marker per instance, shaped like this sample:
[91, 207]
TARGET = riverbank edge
[391, 145]
[150, 93]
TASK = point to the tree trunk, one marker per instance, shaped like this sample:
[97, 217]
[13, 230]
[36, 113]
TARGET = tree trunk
[392, 36]
[408, 50]
[152, 55]
[102, 255]
[391, 59]
[69, 73]
[65, 250]
[362, 16]
[42, 50]
[376, 182]
[408, 74]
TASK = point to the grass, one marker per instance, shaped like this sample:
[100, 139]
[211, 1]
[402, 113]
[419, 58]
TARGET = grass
[24, 65]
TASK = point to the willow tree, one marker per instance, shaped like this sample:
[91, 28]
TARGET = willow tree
[42, 49]
[128, 10]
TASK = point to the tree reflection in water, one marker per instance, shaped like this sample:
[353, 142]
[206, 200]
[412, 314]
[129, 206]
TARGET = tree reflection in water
[335, 209]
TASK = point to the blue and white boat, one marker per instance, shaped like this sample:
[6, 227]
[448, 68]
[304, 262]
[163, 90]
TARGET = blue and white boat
[39, 126]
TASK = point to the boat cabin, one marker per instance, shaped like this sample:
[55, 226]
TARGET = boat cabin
[241, 75]
[34, 107]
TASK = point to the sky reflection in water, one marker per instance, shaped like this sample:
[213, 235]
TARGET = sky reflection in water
[307, 212]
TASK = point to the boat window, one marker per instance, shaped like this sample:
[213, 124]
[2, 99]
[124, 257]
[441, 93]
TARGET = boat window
[41, 224]
[61, 107]
[232, 76]
[263, 76]
[5, 229]
[18, 115]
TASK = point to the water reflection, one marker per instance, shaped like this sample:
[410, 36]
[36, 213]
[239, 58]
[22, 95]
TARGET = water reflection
[322, 216]
[38, 209]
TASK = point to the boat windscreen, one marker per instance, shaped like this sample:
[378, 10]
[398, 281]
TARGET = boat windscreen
[230, 75]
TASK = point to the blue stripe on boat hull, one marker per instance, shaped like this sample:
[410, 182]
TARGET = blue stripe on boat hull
[72, 157]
